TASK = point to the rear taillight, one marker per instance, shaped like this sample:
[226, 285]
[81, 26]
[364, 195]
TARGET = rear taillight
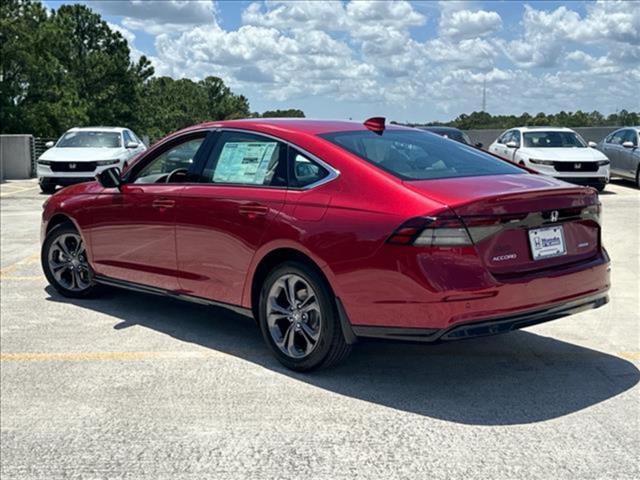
[431, 232]
[593, 212]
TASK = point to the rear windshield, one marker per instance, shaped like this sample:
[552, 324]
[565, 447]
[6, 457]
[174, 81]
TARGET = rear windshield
[553, 140]
[416, 155]
[89, 140]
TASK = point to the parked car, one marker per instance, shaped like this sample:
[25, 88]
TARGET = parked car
[557, 152]
[329, 231]
[81, 153]
[452, 133]
[621, 148]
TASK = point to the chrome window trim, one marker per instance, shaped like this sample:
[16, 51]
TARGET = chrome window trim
[333, 172]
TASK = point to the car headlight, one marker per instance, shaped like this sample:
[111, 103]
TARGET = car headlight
[102, 163]
[44, 162]
[541, 162]
[601, 163]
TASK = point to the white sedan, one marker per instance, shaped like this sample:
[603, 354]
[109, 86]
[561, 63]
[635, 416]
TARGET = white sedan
[81, 153]
[557, 152]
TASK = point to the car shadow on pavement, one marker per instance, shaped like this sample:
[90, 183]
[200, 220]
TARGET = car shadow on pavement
[517, 378]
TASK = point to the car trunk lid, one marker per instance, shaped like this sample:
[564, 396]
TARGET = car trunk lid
[513, 219]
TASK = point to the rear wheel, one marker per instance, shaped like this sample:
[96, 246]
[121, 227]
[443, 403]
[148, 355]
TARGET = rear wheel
[299, 319]
[64, 262]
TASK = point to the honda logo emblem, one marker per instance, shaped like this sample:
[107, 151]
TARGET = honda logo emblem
[72, 166]
[578, 166]
[554, 215]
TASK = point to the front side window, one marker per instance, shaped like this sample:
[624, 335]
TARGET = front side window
[617, 137]
[553, 140]
[127, 138]
[630, 136]
[86, 139]
[246, 159]
[415, 155]
[178, 157]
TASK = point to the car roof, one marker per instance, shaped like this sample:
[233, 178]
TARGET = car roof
[97, 129]
[546, 129]
[291, 125]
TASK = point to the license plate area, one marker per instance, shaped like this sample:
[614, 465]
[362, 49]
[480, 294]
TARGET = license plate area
[547, 242]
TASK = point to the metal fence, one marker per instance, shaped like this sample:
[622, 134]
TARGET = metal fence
[37, 149]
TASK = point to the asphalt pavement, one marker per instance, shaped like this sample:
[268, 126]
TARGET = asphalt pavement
[132, 386]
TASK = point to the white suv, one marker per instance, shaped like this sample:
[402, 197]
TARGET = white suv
[81, 153]
[553, 151]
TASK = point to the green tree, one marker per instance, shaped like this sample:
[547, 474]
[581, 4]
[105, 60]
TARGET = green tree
[291, 112]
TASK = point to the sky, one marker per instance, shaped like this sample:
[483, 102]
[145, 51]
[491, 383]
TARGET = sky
[407, 61]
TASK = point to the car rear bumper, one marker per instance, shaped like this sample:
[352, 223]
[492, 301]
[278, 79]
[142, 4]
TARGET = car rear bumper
[438, 294]
[484, 328]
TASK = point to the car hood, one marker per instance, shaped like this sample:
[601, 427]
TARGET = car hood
[82, 154]
[564, 154]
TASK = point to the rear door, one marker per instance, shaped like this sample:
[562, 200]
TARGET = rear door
[221, 220]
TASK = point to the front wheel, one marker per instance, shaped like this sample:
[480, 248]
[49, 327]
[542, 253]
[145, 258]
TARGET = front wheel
[299, 319]
[64, 262]
[47, 187]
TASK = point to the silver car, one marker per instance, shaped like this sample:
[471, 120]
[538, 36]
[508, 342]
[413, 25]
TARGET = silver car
[622, 149]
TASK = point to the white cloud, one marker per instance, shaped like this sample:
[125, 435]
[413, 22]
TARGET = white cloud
[159, 16]
[383, 54]
[469, 24]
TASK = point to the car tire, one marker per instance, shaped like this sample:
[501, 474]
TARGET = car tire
[600, 187]
[64, 262]
[47, 187]
[304, 338]
[638, 177]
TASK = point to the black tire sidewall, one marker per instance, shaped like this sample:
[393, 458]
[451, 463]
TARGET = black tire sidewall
[327, 306]
[55, 232]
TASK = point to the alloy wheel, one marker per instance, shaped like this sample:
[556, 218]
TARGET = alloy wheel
[294, 317]
[67, 260]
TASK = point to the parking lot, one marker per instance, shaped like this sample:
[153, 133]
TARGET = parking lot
[136, 386]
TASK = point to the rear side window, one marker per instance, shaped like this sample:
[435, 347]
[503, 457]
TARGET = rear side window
[304, 171]
[416, 155]
[247, 159]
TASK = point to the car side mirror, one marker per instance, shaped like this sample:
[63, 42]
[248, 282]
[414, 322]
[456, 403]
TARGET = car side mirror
[49, 144]
[479, 145]
[628, 144]
[110, 178]
[132, 145]
[512, 144]
[592, 144]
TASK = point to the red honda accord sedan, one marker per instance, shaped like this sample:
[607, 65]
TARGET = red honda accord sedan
[328, 231]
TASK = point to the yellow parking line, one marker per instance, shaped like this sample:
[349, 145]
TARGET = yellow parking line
[6, 194]
[97, 356]
[23, 279]
[630, 355]
[25, 261]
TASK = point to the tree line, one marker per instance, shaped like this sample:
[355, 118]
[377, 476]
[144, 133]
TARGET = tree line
[484, 120]
[66, 67]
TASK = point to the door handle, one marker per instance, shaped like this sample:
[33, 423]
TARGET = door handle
[253, 210]
[163, 203]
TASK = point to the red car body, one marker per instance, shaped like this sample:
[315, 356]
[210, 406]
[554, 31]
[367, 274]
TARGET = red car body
[213, 242]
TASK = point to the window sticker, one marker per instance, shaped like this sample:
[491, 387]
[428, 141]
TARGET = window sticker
[244, 162]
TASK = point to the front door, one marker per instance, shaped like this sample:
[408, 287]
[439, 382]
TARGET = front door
[221, 221]
[133, 235]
